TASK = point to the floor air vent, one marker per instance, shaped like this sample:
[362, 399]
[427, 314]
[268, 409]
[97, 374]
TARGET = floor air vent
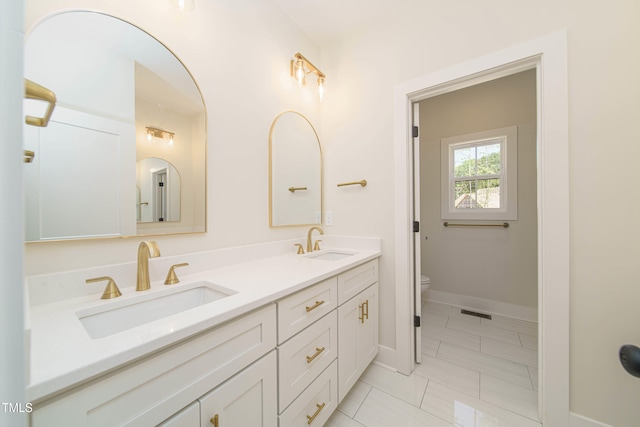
[473, 313]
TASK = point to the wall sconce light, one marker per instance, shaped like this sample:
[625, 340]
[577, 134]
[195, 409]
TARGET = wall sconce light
[159, 133]
[183, 5]
[300, 67]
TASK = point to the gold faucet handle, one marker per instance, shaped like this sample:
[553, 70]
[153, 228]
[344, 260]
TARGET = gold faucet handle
[316, 247]
[111, 291]
[300, 250]
[172, 278]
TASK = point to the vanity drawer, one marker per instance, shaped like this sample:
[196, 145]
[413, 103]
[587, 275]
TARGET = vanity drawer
[305, 356]
[301, 309]
[351, 282]
[147, 392]
[316, 404]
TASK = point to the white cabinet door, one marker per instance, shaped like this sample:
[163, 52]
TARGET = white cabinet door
[357, 337]
[188, 417]
[247, 399]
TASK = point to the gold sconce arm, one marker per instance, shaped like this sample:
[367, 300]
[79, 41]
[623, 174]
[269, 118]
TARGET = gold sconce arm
[35, 91]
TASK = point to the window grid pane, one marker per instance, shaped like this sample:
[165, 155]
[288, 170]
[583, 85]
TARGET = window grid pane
[477, 194]
[477, 160]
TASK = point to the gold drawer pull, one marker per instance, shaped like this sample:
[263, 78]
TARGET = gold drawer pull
[364, 311]
[310, 418]
[318, 351]
[316, 305]
[214, 420]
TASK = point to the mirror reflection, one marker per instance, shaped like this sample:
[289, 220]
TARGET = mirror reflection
[295, 172]
[158, 191]
[123, 100]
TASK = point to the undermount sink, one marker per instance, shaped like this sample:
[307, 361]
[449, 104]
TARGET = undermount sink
[118, 316]
[331, 255]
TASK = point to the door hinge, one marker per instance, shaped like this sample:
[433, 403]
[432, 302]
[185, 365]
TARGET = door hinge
[414, 131]
[416, 321]
[416, 226]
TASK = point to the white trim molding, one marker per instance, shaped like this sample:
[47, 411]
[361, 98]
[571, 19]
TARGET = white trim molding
[548, 55]
[582, 421]
[482, 305]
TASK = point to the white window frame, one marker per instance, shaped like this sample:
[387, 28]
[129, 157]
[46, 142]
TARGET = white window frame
[508, 138]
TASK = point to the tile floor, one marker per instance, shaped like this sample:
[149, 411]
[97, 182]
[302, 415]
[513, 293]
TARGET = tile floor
[474, 373]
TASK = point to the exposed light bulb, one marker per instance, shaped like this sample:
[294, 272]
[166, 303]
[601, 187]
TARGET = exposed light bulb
[321, 88]
[300, 72]
[149, 135]
[171, 141]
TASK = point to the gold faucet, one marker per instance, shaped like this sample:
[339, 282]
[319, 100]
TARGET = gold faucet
[309, 244]
[147, 249]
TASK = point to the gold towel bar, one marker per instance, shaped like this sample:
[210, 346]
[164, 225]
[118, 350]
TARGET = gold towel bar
[294, 189]
[363, 183]
[35, 91]
[503, 225]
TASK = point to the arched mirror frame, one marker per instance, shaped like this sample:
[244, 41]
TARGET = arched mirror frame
[205, 132]
[271, 178]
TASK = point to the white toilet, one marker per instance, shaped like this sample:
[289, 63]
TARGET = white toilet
[425, 282]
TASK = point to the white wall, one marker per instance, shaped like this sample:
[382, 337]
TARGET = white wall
[238, 53]
[495, 264]
[12, 357]
[603, 41]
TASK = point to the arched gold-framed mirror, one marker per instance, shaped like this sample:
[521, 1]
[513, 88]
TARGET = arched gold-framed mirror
[122, 96]
[295, 172]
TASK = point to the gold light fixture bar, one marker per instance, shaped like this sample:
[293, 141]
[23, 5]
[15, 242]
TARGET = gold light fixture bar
[160, 133]
[301, 66]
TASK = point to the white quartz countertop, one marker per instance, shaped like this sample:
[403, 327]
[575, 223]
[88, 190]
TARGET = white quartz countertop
[63, 354]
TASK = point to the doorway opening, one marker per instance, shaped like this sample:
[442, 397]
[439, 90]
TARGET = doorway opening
[548, 56]
[475, 199]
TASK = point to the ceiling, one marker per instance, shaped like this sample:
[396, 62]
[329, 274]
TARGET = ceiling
[325, 21]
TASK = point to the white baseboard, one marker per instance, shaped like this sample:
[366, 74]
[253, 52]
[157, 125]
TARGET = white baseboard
[576, 420]
[386, 356]
[484, 305]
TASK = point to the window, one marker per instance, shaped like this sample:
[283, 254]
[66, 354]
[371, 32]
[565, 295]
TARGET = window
[479, 175]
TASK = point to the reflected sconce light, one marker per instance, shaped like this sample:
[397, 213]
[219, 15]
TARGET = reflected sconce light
[159, 133]
[183, 5]
[300, 67]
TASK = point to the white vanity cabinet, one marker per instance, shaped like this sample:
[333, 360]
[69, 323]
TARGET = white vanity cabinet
[188, 417]
[150, 391]
[357, 324]
[247, 399]
[287, 364]
[327, 335]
